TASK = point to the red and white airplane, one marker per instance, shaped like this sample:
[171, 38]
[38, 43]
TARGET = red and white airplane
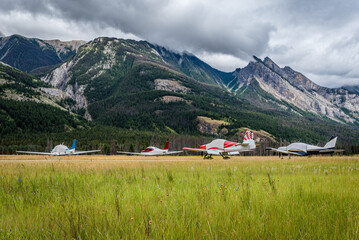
[154, 151]
[225, 148]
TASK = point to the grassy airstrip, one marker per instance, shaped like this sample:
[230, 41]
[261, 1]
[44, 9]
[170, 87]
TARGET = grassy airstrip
[112, 197]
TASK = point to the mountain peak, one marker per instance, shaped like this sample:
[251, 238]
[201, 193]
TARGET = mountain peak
[267, 60]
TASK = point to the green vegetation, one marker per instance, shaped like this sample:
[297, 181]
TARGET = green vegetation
[248, 199]
[34, 117]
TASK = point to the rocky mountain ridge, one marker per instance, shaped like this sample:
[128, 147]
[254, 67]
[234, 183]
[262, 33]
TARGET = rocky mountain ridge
[287, 88]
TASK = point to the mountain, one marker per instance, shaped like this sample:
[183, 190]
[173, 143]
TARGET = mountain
[354, 89]
[194, 67]
[28, 54]
[26, 105]
[129, 84]
[136, 85]
[265, 83]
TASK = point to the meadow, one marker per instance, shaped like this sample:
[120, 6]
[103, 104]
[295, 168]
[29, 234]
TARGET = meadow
[113, 197]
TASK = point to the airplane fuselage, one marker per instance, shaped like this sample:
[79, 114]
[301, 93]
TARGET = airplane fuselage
[153, 151]
[62, 150]
[306, 149]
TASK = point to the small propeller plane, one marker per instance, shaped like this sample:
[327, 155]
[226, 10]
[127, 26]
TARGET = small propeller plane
[61, 150]
[225, 148]
[154, 151]
[303, 149]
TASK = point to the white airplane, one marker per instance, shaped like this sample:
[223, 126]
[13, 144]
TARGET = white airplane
[225, 148]
[303, 149]
[154, 151]
[61, 150]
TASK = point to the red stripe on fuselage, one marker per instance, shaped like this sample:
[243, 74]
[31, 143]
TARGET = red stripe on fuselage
[228, 144]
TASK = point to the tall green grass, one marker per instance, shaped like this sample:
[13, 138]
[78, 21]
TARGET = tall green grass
[296, 199]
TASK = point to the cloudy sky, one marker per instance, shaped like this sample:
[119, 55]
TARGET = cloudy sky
[318, 38]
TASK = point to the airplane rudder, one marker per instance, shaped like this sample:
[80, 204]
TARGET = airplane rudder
[248, 135]
[73, 144]
[332, 142]
[166, 145]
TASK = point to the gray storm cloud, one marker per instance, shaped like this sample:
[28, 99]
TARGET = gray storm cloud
[184, 25]
[318, 38]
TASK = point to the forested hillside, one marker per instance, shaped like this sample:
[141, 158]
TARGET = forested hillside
[25, 107]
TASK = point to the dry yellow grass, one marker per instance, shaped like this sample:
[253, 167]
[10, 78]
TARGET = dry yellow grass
[184, 197]
[107, 161]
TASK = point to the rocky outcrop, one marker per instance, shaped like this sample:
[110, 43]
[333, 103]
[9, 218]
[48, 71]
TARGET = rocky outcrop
[210, 126]
[60, 77]
[170, 86]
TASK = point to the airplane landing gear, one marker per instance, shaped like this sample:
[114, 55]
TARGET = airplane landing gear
[224, 156]
[208, 156]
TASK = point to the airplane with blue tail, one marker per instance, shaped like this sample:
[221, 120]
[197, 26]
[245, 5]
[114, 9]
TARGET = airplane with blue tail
[61, 150]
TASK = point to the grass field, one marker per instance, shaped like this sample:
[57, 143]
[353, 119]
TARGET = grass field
[112, 197]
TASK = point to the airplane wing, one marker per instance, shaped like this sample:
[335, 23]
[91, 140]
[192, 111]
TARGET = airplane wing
[84, 152]
[194, 149]
[331, 151]
[133, 153]
[173, 152]
[37, 153]
[284, 152]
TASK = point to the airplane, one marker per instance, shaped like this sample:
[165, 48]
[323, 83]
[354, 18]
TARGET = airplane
[226, 148]
[61, 150]
[303, 149]
[154, 151]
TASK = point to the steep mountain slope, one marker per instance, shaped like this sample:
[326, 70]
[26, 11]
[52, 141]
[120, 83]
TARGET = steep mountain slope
[288, 89]
[194, 67]
[25, 104]
[27, 54]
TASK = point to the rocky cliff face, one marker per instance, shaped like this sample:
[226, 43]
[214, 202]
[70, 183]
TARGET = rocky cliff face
[290, 89]
[59, 79]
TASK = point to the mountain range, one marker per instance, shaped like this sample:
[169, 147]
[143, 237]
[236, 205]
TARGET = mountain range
[138, 85]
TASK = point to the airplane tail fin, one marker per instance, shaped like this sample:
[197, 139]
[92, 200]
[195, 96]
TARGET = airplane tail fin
[166, 146]
[73, 144]
[249, 138]
[331, 143]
